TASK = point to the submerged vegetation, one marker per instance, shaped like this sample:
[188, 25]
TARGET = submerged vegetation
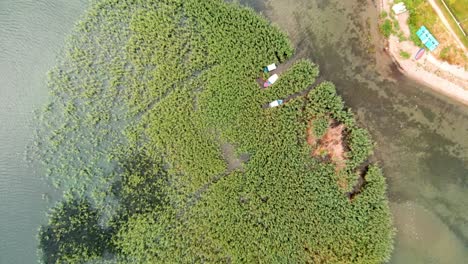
[73, 234]
[144, 98]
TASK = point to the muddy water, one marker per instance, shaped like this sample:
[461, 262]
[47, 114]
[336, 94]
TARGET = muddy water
[422, 137]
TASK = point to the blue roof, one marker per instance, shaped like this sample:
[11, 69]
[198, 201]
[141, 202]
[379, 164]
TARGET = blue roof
[427, 39]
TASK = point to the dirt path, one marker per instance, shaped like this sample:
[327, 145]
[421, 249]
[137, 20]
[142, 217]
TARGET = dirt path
[447, 24]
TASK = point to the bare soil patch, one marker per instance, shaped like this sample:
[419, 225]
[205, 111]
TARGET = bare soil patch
[331, 146]
[234, 162]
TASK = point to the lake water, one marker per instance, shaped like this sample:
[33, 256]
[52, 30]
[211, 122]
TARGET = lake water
[422, 138]
[32, 32]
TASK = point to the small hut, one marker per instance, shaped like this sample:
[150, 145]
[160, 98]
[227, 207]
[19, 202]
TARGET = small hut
[427, 39]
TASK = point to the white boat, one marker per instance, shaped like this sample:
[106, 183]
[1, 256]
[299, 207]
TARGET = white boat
[271, 80]
[275, 103]
[270, 68]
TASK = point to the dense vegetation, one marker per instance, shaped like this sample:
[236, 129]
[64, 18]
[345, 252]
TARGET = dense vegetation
[144, 98]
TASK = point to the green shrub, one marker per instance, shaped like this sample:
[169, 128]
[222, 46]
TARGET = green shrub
[383, 14]
[404, 54]
[320, 126]
[386, 28]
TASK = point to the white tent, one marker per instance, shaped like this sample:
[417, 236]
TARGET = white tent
[399, 8]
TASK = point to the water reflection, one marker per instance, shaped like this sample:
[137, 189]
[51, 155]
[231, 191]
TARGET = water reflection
[422, 137]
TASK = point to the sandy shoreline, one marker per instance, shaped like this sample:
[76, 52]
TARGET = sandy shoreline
[449, 80]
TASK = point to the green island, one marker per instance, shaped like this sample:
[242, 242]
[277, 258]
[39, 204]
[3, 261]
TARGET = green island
[158, 134]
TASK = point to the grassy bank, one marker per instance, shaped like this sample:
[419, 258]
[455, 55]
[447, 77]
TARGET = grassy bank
[460, 10]
[421, 13]
[144, 99]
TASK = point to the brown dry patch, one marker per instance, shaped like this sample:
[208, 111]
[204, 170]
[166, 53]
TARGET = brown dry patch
[260, 81]
[331, 145]
[448, 49]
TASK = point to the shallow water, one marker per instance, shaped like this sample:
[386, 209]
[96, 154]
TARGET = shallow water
[422, 137]
[31, 35]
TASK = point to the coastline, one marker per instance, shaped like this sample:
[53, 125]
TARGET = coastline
[449, 80]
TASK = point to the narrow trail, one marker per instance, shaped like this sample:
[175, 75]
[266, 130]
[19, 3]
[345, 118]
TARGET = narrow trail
[197, 195]
[301, 93]
[306, 91]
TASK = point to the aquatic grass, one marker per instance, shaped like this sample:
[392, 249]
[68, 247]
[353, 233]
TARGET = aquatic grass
[144, 97]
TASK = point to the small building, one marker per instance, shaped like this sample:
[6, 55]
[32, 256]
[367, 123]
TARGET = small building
[271, 80]
[399, 8]
[427, 39]
[270, 68]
